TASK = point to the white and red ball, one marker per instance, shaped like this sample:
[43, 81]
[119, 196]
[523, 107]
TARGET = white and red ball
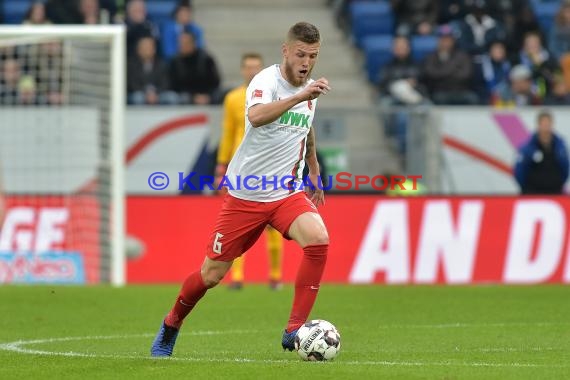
[317, 340]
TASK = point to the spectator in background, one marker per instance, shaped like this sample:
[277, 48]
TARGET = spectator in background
[49, 71]
[172, 30]
[399, 79]
[16, 88]
[147, 78]
[27, 91]
[52, 73]
[565, 62]
[541, 63]
[525, 23]
[513, 14]
[9, 81]
[448, 72]
[81, 11]
[559, 95]
[519, 91]
[106, 11]
[542, 163]
[36, 15]
[415, 16]
[477, 30]
[492, 70]
[400, 85]
[138, 26]
[451, 10]
[89, 11]
[559, 39]
[63, 11]
[194, 74]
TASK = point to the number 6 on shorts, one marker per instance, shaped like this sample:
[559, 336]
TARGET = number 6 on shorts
[217, 248]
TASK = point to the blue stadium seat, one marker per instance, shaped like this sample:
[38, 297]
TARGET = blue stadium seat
[370, 17]
[160, 10]
[15, 10]
[422, 46]
[378, 52]
[545, 13]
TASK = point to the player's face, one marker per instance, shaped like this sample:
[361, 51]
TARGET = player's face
[299, 59]
[249, 68]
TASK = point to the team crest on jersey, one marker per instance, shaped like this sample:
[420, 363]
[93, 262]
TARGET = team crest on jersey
[257, 94]
[310, 104]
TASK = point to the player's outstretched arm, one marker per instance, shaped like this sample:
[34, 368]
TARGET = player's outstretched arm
[263, 114]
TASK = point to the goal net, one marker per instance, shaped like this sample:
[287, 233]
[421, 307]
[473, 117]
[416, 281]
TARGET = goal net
[62, 107]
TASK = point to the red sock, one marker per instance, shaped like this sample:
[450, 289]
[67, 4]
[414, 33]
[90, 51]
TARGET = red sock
[192, 290]
[307, 284]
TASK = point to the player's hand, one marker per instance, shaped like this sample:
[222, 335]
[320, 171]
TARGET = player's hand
[222, 190]
[315, 89]
[316, 193]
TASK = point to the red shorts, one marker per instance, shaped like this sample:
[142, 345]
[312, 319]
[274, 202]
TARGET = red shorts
[240, 223]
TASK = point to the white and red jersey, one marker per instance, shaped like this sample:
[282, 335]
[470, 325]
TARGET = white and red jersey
[271, 157]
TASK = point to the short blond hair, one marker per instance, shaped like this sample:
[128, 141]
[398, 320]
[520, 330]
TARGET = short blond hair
[304, 32]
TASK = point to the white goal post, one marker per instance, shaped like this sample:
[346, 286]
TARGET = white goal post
[73, 146]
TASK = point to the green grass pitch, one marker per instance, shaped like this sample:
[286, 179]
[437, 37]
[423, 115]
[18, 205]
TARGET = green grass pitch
[486, 332]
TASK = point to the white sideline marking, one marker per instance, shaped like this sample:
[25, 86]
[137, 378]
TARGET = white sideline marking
[469, 325]
[471, 350]
[19, 347]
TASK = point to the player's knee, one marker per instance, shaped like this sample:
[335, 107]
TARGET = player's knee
[319, 238]
[212, 277]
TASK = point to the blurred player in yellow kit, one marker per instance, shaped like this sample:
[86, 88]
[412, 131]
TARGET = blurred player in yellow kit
[232, 134]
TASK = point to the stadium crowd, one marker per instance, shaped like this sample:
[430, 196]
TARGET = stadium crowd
[167, 62]
[481, 52]
[484, 52]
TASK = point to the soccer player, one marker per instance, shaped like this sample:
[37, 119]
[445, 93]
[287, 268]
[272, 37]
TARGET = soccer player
[232, 135]
[278, 141]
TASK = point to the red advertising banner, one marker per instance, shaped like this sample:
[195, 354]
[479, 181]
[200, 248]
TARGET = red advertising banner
[50, 239]
[459, 240]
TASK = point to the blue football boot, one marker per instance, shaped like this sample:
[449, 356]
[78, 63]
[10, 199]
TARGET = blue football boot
[163, 344]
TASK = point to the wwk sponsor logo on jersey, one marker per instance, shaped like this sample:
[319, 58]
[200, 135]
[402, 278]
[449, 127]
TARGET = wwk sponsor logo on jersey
[295, 119]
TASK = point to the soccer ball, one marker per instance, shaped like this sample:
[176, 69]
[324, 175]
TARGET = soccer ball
[317, 340]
